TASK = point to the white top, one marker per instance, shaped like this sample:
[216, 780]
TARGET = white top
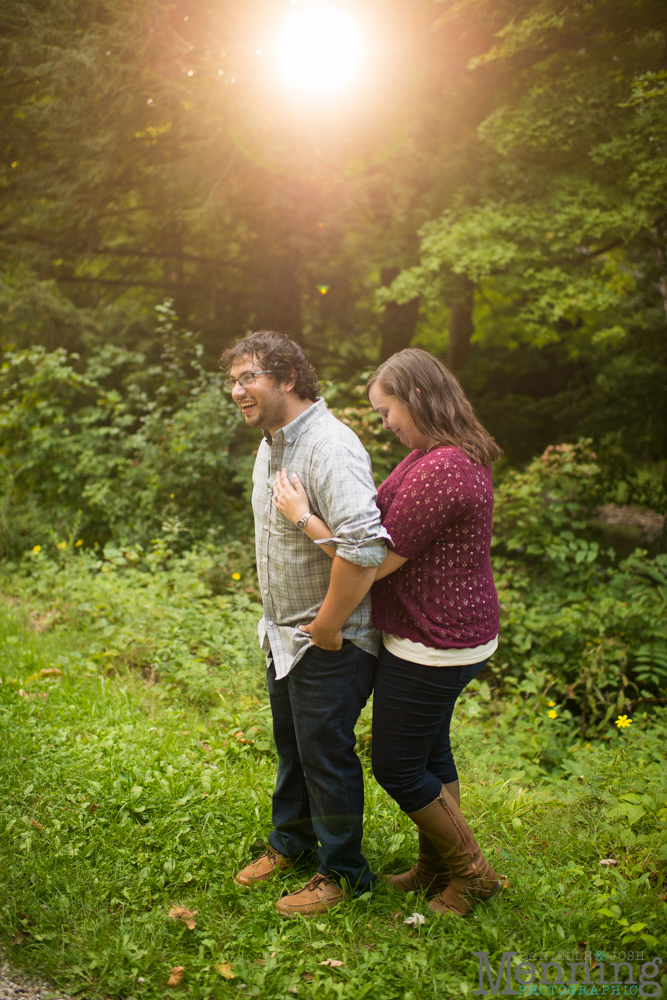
[417, 652]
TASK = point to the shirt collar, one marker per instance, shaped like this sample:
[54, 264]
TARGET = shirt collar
[290, 432]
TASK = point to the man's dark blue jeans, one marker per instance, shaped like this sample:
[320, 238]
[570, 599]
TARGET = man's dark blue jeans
[319, 792]
[412, 712]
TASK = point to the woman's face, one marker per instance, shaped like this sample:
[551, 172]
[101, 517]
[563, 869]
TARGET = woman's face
[396, 417]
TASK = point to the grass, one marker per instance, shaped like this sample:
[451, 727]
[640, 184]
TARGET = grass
[123, 798]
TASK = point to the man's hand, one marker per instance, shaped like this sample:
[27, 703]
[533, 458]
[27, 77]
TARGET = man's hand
[322, 637]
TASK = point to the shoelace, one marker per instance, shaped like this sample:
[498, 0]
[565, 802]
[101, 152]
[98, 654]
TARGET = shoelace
[274, 855]
[318, 880]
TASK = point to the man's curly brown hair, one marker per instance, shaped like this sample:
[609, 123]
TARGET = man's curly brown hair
[278, 354]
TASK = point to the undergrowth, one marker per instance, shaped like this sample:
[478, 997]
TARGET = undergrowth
[127, 793]
[137, 765]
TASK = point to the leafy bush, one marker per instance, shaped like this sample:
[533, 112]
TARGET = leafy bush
[575, 622]
[127, 443]
[156, 460]
[152, 611]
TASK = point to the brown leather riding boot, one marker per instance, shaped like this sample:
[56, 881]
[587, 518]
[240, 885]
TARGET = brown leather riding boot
[473, 879]
[430, 875]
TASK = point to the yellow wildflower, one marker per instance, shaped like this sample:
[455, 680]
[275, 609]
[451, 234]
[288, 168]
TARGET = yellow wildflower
[552, 714]
[623, 722]
[588, 746]
[36, 549]
[551, 704]
[62, 545]
[80, 542]
[171, 496]
[236, 576]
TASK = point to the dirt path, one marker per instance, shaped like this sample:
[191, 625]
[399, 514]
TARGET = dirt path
[15, 985]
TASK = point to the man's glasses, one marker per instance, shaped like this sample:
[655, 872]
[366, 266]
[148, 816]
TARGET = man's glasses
[245, 380]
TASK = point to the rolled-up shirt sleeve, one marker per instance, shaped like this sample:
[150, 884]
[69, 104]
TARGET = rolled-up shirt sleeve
[345, 500]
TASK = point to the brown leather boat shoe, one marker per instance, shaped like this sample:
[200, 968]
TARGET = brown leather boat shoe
[263, 868]
[317, 897]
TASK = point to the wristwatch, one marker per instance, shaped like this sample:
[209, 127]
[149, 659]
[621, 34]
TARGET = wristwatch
[301, 523]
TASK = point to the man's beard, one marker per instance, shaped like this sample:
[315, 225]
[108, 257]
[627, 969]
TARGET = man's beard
[271, 412]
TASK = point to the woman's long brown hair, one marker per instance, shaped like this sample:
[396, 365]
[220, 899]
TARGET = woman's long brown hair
[436, 401]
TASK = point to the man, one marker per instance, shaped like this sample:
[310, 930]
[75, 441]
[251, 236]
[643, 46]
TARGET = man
[318, 679]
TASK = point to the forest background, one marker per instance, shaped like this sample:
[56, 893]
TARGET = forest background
[495, 192]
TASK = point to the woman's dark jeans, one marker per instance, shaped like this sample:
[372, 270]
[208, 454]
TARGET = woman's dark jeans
[319, 792]
[412, 711]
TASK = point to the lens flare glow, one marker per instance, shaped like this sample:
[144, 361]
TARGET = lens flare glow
[320, 50]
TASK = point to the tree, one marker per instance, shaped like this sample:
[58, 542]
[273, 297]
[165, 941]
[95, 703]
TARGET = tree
[563, 234]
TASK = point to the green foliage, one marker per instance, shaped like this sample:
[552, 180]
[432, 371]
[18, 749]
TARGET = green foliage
[154, 612]
[561, 224]
[575, 622]
[124, 797]
[129, 444]
[516, 148]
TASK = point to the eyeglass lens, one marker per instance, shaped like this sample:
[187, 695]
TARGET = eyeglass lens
[245, 380]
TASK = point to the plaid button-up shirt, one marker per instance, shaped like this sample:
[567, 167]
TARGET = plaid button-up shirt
[294, 573]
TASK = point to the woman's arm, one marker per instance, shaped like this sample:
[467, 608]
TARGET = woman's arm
[292, 501]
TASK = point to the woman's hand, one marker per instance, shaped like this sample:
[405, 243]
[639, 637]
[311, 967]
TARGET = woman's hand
[290, 497]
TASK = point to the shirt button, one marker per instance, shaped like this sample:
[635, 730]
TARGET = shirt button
[269, 623]
[265, 559]
[266, 527]
[266, 591]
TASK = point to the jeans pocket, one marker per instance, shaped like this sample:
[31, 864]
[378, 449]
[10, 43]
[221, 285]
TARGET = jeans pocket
[331, 652]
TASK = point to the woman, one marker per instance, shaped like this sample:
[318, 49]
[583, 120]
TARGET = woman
[435, 602]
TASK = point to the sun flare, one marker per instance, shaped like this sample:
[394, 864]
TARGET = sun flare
[320, 49]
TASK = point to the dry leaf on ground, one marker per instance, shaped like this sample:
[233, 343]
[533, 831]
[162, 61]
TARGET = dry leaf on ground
[292, 989]
[18, 937]
[225, 969]
[176, 975]
[307, 976]
[37, 826]
[608, 861]
[239, 736]
[187, 916]
[332, 962]
[51, 672]
[205, 746]
[504, 881]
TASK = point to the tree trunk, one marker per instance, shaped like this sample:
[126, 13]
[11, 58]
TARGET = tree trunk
[659, 257]
[461, 327]
[398, 321]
